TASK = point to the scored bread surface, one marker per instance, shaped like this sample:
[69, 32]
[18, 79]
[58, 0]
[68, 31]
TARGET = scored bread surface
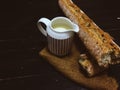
[99, 43]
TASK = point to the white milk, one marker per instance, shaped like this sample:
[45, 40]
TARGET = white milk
[61, 28]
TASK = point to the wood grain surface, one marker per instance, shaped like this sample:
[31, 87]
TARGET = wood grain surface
[21, 67]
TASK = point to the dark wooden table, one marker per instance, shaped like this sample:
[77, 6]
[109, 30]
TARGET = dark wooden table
[21, 68]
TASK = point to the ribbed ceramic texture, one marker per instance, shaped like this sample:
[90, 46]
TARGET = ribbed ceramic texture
[59, 47]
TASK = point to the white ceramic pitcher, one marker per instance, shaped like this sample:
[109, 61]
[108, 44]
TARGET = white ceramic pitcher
[59, 31]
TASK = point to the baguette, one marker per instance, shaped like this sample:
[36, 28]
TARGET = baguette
[99, 43]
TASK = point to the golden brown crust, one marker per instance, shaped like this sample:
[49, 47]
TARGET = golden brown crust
[99, 43]
[89, 67]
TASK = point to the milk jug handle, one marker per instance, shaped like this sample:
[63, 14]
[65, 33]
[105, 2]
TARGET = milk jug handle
[40, 27]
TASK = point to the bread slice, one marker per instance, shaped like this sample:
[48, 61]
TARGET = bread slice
[99, 43]
[88, 66]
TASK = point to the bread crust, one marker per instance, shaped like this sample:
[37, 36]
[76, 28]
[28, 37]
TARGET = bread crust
[88, 66]
[99, 43]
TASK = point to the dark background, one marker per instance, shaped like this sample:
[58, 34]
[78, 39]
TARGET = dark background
[21, 68]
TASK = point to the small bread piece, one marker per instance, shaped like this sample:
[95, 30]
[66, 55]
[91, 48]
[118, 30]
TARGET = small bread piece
[99, 43]
[89, 67]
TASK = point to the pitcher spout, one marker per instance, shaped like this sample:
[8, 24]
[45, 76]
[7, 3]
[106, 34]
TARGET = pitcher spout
[76, 28]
